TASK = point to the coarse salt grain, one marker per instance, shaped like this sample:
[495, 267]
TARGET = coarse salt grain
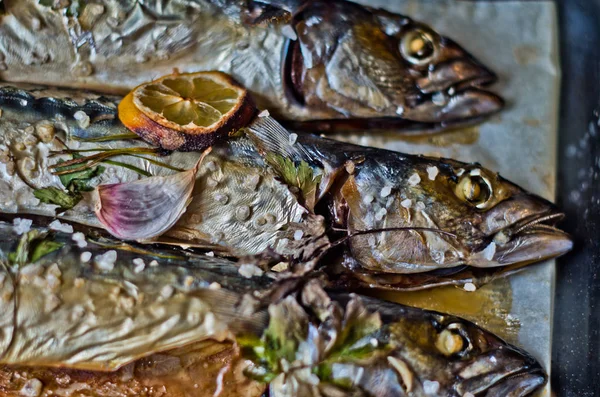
[249, 270]
[79, 238]
[293, 138]
[414, 180]
[470, 287]
[368, 199]
[489, 251]
[432, 172]
[298, 234]
[140, 265]
[210, 253]
[431, 387]
[406, 203]
[386, 191]
[83, 120]
[166, 292]
[381, 214]
[22, 226]
[420, 206]
[214, 285]
[264, 113]
[61, 227]
[153, 263]
[85, 256]
[106, 261]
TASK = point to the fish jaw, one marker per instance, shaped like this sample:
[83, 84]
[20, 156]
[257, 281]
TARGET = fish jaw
[524, 235]
[506, 372]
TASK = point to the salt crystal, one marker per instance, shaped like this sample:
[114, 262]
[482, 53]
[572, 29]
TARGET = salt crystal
[406, 203]
[414, 179]
[432, 172]
[476, 172]
[32, 388]
[242, 213]
[298, 234]
[85, 256]
[420, 206]
[210, 253]
[22, 226]
[460, 172]
[249, 270]
[264, 113]
[140, 265]
[381, 214]
[153, 263]
[431, 387]
[386, 191]
[61, 227]
[166, 292]
[214, 285]
[467, 394]
[83, 120]
[79, 238]
[489, 251]
[106, 261]
[293, 138]
[368, 199]
[470, 287]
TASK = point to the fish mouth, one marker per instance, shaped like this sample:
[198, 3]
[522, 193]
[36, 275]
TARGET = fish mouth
[513, 373]
[532, 239]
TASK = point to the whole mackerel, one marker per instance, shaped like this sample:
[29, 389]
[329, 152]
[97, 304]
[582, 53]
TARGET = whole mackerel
[323, 65]
[80, 318]
[402, 221]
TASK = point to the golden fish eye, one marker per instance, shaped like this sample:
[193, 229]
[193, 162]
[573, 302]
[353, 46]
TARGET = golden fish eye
[474, 189]
[454, 341]
[418, 46]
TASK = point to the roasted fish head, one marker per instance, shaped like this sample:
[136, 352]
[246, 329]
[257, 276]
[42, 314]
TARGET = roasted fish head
[467, 215]
[447, 356]
[350, 61]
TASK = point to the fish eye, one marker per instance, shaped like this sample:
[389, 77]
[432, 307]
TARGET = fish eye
[475, 189]
[454, 341]
[418, 46]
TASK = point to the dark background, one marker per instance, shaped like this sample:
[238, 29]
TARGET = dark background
[576, 340]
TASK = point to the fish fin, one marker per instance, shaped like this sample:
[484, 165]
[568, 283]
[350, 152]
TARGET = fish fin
[263, 13]
[271, 137]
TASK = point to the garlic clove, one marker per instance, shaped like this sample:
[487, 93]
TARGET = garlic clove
[147, 208]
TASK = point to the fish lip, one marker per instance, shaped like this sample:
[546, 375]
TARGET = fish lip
[531, 239]
[530, 378]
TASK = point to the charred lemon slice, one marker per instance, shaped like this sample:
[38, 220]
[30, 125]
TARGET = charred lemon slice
[187, 111]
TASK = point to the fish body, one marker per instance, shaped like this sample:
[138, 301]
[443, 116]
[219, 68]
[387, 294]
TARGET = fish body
[152, 324]
[455, 215]
[327, 62]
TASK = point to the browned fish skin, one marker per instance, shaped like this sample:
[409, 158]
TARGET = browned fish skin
[357, 66]
[460, 215]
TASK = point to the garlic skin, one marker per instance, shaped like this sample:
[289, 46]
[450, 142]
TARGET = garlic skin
[145, 209]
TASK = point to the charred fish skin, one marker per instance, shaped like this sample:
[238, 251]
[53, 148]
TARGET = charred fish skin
[369, 345]
[406, 75]
[472, 216]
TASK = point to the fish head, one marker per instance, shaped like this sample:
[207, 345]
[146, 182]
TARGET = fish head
[446, 355]
[456, 214]
[350, 61]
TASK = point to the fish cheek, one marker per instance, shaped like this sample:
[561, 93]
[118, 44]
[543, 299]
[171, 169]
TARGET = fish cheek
[390, 252]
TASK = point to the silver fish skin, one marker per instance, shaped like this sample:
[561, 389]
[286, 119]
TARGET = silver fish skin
[460, 215]
[337, 64]
[121, 314]
[97, 308]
